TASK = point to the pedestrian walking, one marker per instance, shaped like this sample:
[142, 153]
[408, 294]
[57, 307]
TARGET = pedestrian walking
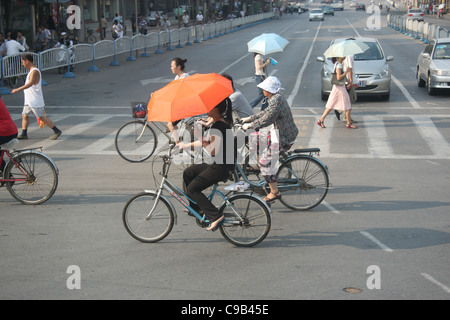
[104, 26]
[185, 20]
[338, 98]
[199, 18]
[33, 99]
[117, 30]
[350, 84]
[260, 76]
[177, 66]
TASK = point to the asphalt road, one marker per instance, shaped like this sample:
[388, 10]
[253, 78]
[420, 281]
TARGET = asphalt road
[383, 228]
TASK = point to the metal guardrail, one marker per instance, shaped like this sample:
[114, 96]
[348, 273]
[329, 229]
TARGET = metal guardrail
[11, 66]
[424, 31]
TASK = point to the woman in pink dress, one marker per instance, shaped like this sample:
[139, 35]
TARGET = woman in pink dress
[339, 98]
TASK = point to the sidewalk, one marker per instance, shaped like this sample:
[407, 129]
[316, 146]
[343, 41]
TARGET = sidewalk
[127, 25]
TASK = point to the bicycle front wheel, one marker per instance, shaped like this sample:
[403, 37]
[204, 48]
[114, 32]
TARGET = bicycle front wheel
[36, 178]
[91, 39]
[136, 141]
[147, 219]
[303, 182]
[247, 220]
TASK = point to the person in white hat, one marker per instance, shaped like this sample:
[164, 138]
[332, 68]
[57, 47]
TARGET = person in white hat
[280, 137]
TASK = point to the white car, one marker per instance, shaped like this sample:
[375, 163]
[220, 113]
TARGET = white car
[433, 66]
[316, 14]
[353, 4]
[415, 14]
[338, 5]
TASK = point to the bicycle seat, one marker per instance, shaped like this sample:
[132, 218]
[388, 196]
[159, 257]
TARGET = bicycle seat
[9, 145]
[307, 150]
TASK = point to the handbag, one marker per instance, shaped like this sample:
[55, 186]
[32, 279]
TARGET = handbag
[335, 81]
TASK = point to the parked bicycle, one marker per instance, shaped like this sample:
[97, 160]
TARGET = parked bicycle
[30, 176]
[149, 216]
[302, 179]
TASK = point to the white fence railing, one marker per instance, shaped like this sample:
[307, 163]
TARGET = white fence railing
[11, 66]
[424, 31]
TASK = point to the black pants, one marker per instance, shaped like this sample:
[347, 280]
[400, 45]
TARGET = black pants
[199, 177]
[2, 141]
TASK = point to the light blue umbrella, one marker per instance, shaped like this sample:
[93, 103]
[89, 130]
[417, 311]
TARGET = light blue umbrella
[267, 43]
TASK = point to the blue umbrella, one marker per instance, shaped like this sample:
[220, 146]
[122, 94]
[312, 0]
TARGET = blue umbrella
[267, 43]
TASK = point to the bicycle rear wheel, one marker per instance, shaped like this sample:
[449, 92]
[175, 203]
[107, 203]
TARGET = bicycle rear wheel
[136, 141]
[303, 182]
[37, 178]
[140, 225]
[247, 220]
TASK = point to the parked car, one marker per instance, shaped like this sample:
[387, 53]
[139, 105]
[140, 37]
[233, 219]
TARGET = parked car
[415, 14]
[338, 5]
[372, 72]
[353, 4]
[151, 19]
[316, 14]
[360, 6]
[433, 66]
[327, 10]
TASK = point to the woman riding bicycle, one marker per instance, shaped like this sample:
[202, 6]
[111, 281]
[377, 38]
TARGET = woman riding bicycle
[201, 176]
[8, 129]
[281, 138]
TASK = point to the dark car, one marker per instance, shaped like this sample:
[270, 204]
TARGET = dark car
[360, 6]
[327, 10]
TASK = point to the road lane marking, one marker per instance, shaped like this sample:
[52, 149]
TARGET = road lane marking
[430, 278]
[405, 92]
[296, 88]
[375, 240]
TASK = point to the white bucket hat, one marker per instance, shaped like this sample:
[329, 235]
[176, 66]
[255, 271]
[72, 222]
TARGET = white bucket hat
[271, 84]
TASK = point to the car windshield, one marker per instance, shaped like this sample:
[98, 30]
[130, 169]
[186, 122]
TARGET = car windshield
[316, 11]
[415, 11]
[373, 53]
[442, 51]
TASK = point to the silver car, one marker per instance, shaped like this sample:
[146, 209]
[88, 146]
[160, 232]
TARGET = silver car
[433, 66]
[415, 14]
[372, 72]
[316, 14]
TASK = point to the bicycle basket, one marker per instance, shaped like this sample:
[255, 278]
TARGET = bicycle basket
[139, 111]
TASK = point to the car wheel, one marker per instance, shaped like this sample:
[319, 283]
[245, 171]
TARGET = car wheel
[420, 81]
[430, 90]
[324, 96]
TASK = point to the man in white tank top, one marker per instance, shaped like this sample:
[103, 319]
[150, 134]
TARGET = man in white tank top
[34, 99]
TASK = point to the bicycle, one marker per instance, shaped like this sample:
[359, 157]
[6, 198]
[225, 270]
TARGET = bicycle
[136, 141]
[302, 179]
[90, 37]
[149, 216]
[30, 176]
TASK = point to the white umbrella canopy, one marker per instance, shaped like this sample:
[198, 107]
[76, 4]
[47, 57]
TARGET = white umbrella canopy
[346, 48]
[267, 43]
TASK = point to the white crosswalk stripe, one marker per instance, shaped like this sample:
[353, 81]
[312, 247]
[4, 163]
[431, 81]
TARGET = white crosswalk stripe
[378, 133]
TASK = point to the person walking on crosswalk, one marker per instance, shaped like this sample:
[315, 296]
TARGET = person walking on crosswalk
[34, 99]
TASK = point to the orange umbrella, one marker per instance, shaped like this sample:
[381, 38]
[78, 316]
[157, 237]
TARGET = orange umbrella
[187, 97]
